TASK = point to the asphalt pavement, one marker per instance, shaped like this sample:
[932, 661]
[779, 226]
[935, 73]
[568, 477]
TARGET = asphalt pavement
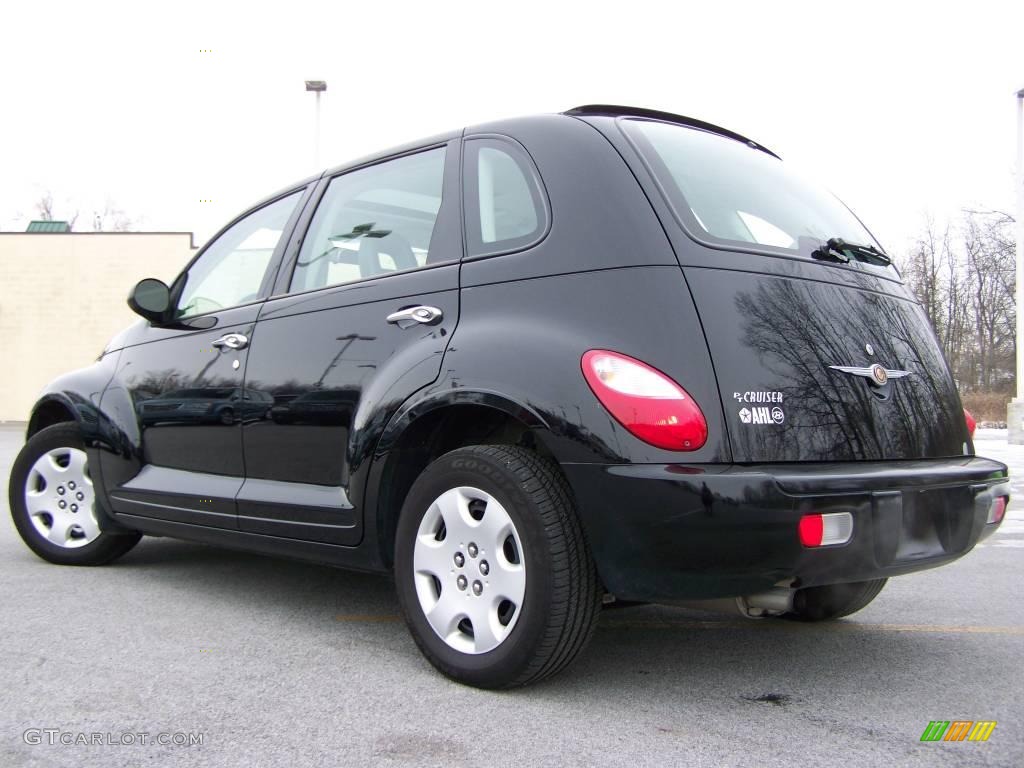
[269, 662]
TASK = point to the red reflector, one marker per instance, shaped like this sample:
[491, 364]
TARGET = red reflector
[998, 510]
[645, 401]
[811, 529]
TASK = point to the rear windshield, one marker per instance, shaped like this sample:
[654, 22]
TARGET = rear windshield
[731, 194]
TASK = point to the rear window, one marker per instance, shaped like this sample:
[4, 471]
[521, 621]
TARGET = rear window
[727, 193]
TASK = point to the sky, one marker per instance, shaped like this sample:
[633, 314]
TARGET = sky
[183, 114]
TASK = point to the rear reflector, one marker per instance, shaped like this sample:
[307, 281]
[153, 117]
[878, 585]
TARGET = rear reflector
[825, 530]
[645, 401]
[997, 511]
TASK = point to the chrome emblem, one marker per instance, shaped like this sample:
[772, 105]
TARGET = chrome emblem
[869, 349]
[876, 374]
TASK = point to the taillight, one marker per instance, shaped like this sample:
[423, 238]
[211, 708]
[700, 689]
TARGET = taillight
[645, 401]
[971, 423]
[997, 510]
[825, 530]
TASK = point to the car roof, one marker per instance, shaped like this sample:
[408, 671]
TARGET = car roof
[587, 110]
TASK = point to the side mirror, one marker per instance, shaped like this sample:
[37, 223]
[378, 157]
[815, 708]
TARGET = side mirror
[150, 298]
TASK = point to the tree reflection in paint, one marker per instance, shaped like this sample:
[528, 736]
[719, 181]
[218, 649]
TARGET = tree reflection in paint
[797, 329]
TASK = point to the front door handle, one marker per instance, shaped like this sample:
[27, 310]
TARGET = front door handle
[421, 314]
[232, 341]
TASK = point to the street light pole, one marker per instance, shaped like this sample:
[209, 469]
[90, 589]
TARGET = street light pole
[317, 87]
[1015, 411]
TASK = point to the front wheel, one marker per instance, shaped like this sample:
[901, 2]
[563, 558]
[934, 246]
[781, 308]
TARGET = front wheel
[53, 501]
[493, 573]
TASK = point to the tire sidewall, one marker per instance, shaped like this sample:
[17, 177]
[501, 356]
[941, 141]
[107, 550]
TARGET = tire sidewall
[56, 436]
[466, 468]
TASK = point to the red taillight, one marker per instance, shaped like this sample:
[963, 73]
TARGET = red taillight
[810, 529]
[971, 423]
[997, 511]
[645, 401]
[825, 530]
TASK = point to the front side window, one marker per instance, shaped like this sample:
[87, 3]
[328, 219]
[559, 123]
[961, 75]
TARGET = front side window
[504, 206]
[731, 194]
[372, 221]
[231, 270]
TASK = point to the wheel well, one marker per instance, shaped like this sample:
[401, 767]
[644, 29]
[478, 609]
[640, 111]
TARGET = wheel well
[46, 415]
[434, 435]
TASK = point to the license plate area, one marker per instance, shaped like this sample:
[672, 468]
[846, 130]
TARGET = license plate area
[922, 524]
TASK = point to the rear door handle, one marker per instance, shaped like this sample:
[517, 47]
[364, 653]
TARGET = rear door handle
[232, 341]
[420, 314]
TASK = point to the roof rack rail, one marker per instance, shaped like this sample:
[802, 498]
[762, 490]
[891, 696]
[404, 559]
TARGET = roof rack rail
[615, 110]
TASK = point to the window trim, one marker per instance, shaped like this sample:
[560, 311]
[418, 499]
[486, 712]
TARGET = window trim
[269, 276]
[475, 248]
[450, 207]
[646, 154]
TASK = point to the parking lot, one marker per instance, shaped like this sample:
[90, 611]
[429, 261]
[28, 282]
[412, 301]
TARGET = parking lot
[282, 663]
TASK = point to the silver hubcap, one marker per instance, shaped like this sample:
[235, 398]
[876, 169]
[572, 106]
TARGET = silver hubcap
[469, 570]
[59, 498]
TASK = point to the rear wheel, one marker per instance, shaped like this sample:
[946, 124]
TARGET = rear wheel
[493, 573]
[833, 600]
[53, 502]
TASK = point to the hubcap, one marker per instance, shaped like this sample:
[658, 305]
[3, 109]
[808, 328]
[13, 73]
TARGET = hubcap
[56, 476]
[467, 539]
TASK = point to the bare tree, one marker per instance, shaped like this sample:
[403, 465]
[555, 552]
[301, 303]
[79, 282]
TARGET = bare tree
[45, 207]
[111, 219]
[45, 210]
[964, 279]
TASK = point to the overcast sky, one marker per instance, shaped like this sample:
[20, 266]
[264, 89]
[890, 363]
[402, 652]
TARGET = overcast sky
[901, 109]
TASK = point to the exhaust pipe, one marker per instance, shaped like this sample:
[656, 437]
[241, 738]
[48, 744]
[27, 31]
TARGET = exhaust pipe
[771, 603]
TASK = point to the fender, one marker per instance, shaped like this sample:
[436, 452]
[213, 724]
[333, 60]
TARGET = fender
[431, 398]
[78, 394]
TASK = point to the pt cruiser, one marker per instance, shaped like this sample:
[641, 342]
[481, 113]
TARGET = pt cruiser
[530, 367]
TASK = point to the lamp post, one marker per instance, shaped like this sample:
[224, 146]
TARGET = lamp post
[317, 87]
[1015, 411]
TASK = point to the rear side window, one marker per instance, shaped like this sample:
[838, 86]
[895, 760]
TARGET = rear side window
[374, 220]
[504, 205]
[730, 194]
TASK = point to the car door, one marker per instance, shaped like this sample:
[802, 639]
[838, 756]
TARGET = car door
[183, 379]
[367, 305]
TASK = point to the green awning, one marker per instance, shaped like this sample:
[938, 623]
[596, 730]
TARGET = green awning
[48, 226]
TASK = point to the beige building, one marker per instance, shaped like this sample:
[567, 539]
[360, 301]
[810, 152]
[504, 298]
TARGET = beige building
[62, 296]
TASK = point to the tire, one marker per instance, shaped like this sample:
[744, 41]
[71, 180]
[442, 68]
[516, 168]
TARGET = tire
[537, 599]
[51, 470]
[833, 601]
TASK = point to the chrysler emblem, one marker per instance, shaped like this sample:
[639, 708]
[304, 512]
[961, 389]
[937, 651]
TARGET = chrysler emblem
[876, 374]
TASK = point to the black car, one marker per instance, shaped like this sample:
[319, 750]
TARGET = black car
[534, 366]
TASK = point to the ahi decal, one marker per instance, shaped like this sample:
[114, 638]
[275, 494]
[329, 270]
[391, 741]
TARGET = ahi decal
[762, 415]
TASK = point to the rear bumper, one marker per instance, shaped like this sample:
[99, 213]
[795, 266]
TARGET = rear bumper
[675, 532]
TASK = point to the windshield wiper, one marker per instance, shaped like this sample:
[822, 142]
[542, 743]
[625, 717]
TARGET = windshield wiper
[837, 248]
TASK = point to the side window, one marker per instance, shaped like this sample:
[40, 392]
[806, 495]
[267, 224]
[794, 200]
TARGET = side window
[372, 221]
[232, 268]
[504, 204]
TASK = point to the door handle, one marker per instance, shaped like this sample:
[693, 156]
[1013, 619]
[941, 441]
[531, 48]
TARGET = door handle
[421, 314]
[232, 341]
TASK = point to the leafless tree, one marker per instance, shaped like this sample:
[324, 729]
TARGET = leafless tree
[45, 210]
[964, 278]
[111, 219]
